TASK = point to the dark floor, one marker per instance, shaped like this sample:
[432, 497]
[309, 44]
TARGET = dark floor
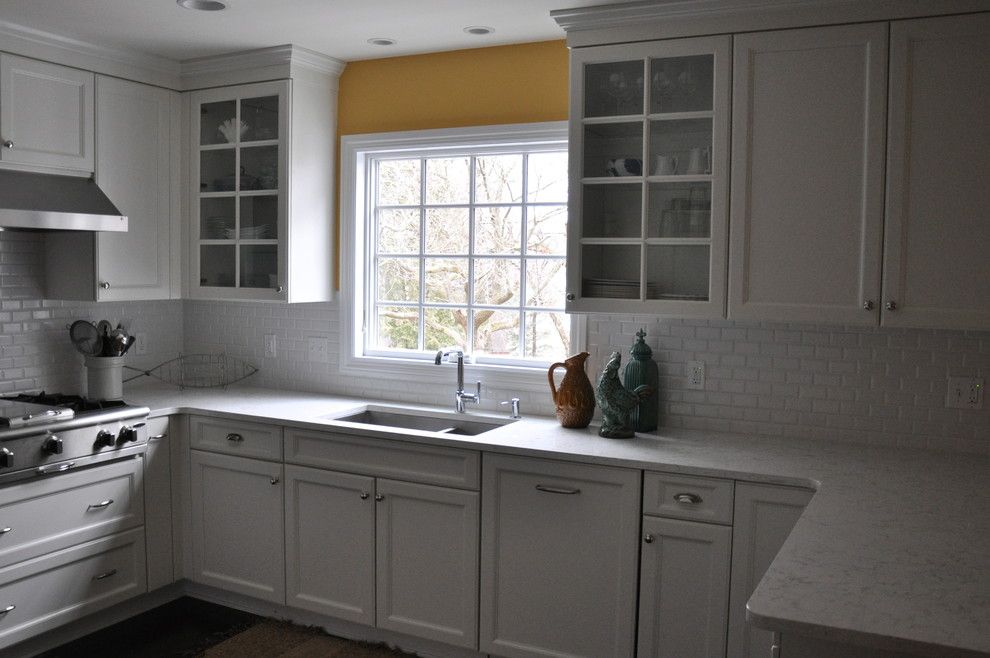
[184, 627]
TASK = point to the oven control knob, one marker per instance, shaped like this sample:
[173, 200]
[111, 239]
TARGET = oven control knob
[104, 440]
[127, 434]
[52, 445]
[6, 458]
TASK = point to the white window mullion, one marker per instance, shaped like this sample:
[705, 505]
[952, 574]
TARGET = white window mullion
[421, 339]
[472, 233]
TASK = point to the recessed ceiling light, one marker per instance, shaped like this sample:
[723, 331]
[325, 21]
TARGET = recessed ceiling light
[381, 41]
[479, 30]
[201, 5]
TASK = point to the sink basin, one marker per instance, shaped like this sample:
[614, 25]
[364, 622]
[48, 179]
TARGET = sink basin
[440, 423]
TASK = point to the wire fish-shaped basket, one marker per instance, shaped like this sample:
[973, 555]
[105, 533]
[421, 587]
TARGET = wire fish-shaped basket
[199, 371]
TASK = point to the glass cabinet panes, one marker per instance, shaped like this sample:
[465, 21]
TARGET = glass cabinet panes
[259, 168]
[612, 211]
[259, 217]
[682, 84]
[216, 171]
[613, 88]
[679, 210]
[680, 147]
[260, 118]
[610, 271]
[217, 265]
[613, 149]
[213, 117]
[259, 265]
[217, 218]
[677, 272]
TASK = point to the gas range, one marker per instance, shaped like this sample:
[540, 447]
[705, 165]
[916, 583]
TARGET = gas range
[42, 435]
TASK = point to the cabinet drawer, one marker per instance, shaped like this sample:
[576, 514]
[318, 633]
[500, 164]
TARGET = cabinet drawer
[236, 438]
[45, 515]
[398, 460]
[70, 584]
[688, 497]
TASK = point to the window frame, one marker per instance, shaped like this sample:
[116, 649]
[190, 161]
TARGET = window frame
[357, 154]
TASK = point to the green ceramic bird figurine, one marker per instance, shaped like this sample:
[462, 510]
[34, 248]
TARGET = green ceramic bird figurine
[615, 401]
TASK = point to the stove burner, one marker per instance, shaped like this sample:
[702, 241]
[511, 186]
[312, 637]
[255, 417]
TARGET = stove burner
[75, 402]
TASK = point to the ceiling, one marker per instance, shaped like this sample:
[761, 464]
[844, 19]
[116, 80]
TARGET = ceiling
[339, 28]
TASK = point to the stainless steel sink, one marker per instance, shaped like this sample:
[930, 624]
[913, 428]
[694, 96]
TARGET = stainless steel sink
[441, 423]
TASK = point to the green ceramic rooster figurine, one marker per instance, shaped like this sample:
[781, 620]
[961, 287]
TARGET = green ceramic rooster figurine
[615, 401]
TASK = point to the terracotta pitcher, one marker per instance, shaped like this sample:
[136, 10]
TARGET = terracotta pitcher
[575, 399]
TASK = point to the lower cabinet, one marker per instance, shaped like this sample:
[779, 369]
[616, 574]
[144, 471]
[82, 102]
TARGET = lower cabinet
[559, 558]
[683, 589]
[764, 516]
[237, 525]
[158, 504]
[399, 555]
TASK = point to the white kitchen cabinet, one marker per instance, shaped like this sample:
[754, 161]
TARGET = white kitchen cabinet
[683, 589]
[46, 115]
[936, 233]
[137, 166]
[261, 191]
[649, 177]
[764, 516]
[427, 547]
[158, 504]
[237, 525]
[559, 558]
[806, 212]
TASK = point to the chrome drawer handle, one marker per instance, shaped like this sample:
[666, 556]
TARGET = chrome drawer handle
[102, 504]
[48, 470]
[557, 490]
[234, 437]
[688, 498]
[158, 437]
[4, 531]
[105, 575]
[9, 608]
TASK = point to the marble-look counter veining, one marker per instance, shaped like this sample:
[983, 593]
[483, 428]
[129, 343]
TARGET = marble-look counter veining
[893, 551]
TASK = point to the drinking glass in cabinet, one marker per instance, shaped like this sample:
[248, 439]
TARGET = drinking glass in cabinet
[217, 171]
[260, 115]
[680, 147]
[216, 218]
[259, 168]
[682, 84]
[259, 217]
[677, 272]
[612, 211]
[679, 210]
[217, 265]
[613, 89]
[259, 265]
[610, 271]
[214, 116]
[607, 143]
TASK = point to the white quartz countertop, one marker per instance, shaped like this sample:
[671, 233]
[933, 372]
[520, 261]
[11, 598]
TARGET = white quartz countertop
[892, 552]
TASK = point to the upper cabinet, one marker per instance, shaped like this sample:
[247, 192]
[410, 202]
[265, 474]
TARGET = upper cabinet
[649, 164]
[46, 115]
[937, 231]
[808, 125]
[261, 190]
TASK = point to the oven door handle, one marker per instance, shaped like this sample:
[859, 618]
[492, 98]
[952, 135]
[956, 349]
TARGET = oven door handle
[48, 470]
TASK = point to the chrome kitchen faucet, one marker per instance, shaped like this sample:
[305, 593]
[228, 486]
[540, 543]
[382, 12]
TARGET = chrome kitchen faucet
[460, 397]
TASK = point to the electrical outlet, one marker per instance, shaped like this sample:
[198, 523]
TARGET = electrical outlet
[140, 343]
[316, 347]
[271, 346]
[964, 393]
[696, 375]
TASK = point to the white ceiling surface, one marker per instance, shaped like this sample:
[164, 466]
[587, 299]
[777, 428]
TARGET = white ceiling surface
[339, 28]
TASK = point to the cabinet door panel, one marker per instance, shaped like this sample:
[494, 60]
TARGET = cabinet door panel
[330, 543]
[158, 504]
[936, 232]
[806, 206]
[47, 112]
[684, 589]
[428, 562]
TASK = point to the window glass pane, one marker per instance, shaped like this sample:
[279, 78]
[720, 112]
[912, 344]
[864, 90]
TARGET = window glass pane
[447, 230]
[447, 280]
[444, 327]
[546, 180]
[398, 231]
[547, 335]
[496, 333]
[398, 279]
[546, 230]
[496, 281]
[448, 180]
[398, 327]
[546, 282]
[398, 182]
[498, 178]
[497, 230]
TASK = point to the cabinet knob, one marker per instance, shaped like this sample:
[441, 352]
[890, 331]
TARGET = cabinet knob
[8, 145]
[687, 498]
[868, 305]
[364, 495]
[379, 497]
[274, 481]
[648, 538]
[279, 289]
[891, 305]
[571, 297]
[105, 285]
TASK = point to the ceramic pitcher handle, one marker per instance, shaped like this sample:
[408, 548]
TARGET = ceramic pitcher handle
[553, 387]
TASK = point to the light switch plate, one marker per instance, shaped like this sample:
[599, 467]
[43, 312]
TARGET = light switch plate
[317, 349]
[140, 343]
[695, 375]
[964, 393]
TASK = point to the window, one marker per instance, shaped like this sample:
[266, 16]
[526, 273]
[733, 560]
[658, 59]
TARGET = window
[459, 239]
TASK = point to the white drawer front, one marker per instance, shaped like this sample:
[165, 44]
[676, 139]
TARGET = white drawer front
[688, 497]
[449, 467]
[234, 437]
[44, 515]
[70, 584]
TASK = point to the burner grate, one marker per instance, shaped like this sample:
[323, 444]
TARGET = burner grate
[77, 403]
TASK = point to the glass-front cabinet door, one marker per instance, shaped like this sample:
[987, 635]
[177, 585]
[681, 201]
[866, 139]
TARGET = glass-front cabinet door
[238, 167]
[648, 195]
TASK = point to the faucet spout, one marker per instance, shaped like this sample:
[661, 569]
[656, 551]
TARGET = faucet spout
[460, 397]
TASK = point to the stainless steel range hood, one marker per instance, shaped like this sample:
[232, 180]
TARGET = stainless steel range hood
[47, 202]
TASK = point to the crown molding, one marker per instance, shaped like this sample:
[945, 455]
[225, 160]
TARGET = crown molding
[128, 64]
[272, 63]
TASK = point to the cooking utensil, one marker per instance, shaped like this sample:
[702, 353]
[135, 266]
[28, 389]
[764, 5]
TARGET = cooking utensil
[86, 337]
[127, 345]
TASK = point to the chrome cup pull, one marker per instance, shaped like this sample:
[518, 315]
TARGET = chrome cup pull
[158, 437]
[688, 498]
[105, 575]
[48, 470]
[9, 608]
[103, 504]
[4, 531]
[557, 490]
[234, 437]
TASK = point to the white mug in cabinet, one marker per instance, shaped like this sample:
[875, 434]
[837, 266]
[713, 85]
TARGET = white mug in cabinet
[666, 165]
[698, 161]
